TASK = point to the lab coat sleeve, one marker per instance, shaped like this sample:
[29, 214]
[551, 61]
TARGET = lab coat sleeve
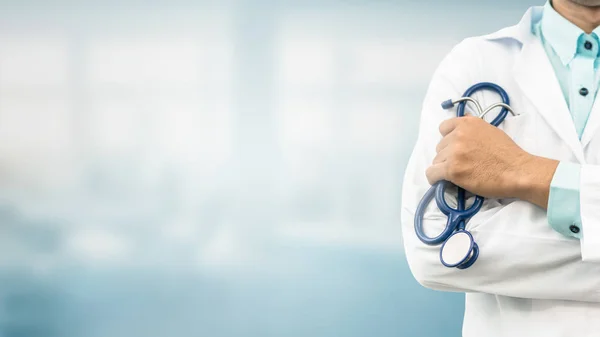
[590, 212]
[520, 255]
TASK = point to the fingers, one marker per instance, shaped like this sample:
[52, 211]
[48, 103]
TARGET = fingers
[435, 173]
[451, 149]
[442, 156]
[449, 125]
[447, 140]
[438, 169]
[454, 128]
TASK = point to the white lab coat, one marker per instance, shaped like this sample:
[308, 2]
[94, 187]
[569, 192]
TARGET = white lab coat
[529, 280]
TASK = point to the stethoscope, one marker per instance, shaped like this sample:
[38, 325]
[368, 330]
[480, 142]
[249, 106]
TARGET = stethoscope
[458, 246]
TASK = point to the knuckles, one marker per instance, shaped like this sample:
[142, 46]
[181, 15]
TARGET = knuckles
[459, 134]
[431, 178]
[454, 170]
[459, 151]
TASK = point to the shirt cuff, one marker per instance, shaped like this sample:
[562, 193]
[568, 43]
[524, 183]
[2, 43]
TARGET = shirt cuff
[563, 203]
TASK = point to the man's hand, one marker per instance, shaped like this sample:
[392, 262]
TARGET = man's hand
[484, 160]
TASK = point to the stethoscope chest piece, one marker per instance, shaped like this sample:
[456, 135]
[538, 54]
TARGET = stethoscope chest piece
[459, 250]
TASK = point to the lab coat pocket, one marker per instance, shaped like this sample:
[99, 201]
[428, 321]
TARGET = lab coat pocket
[489, 208]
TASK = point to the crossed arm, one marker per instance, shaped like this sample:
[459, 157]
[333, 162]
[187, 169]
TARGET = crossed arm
[484, 160]
[520, 255]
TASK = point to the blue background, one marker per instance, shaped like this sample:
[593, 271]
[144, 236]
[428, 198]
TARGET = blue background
[230, 168]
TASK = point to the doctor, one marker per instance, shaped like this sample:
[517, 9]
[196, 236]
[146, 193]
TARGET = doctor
[538, 273]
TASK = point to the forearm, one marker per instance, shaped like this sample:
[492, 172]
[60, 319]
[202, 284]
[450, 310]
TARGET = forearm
[520, 255]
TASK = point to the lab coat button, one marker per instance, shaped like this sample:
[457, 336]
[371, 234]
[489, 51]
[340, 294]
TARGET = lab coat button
[588, 45]
[574, 229]
[583, 91]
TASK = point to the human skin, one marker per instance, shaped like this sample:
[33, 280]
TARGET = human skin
[484, 160]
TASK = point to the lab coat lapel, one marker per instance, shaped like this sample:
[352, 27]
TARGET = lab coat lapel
[535, 76]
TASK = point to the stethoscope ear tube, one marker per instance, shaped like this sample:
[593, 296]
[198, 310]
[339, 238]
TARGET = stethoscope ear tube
[460, 110]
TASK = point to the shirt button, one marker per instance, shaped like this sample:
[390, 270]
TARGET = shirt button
[574, 229]
[583, 91]
[588, 45]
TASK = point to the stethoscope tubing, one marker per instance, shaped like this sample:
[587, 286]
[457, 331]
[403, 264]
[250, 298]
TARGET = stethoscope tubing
[458, 217]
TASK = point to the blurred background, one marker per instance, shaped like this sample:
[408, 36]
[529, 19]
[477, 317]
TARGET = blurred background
[227, 168]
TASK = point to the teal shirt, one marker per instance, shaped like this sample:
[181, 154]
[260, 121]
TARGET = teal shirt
[574, 55]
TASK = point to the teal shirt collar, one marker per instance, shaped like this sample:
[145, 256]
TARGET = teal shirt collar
[561, 34]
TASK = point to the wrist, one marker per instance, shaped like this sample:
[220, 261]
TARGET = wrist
[533, 176]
